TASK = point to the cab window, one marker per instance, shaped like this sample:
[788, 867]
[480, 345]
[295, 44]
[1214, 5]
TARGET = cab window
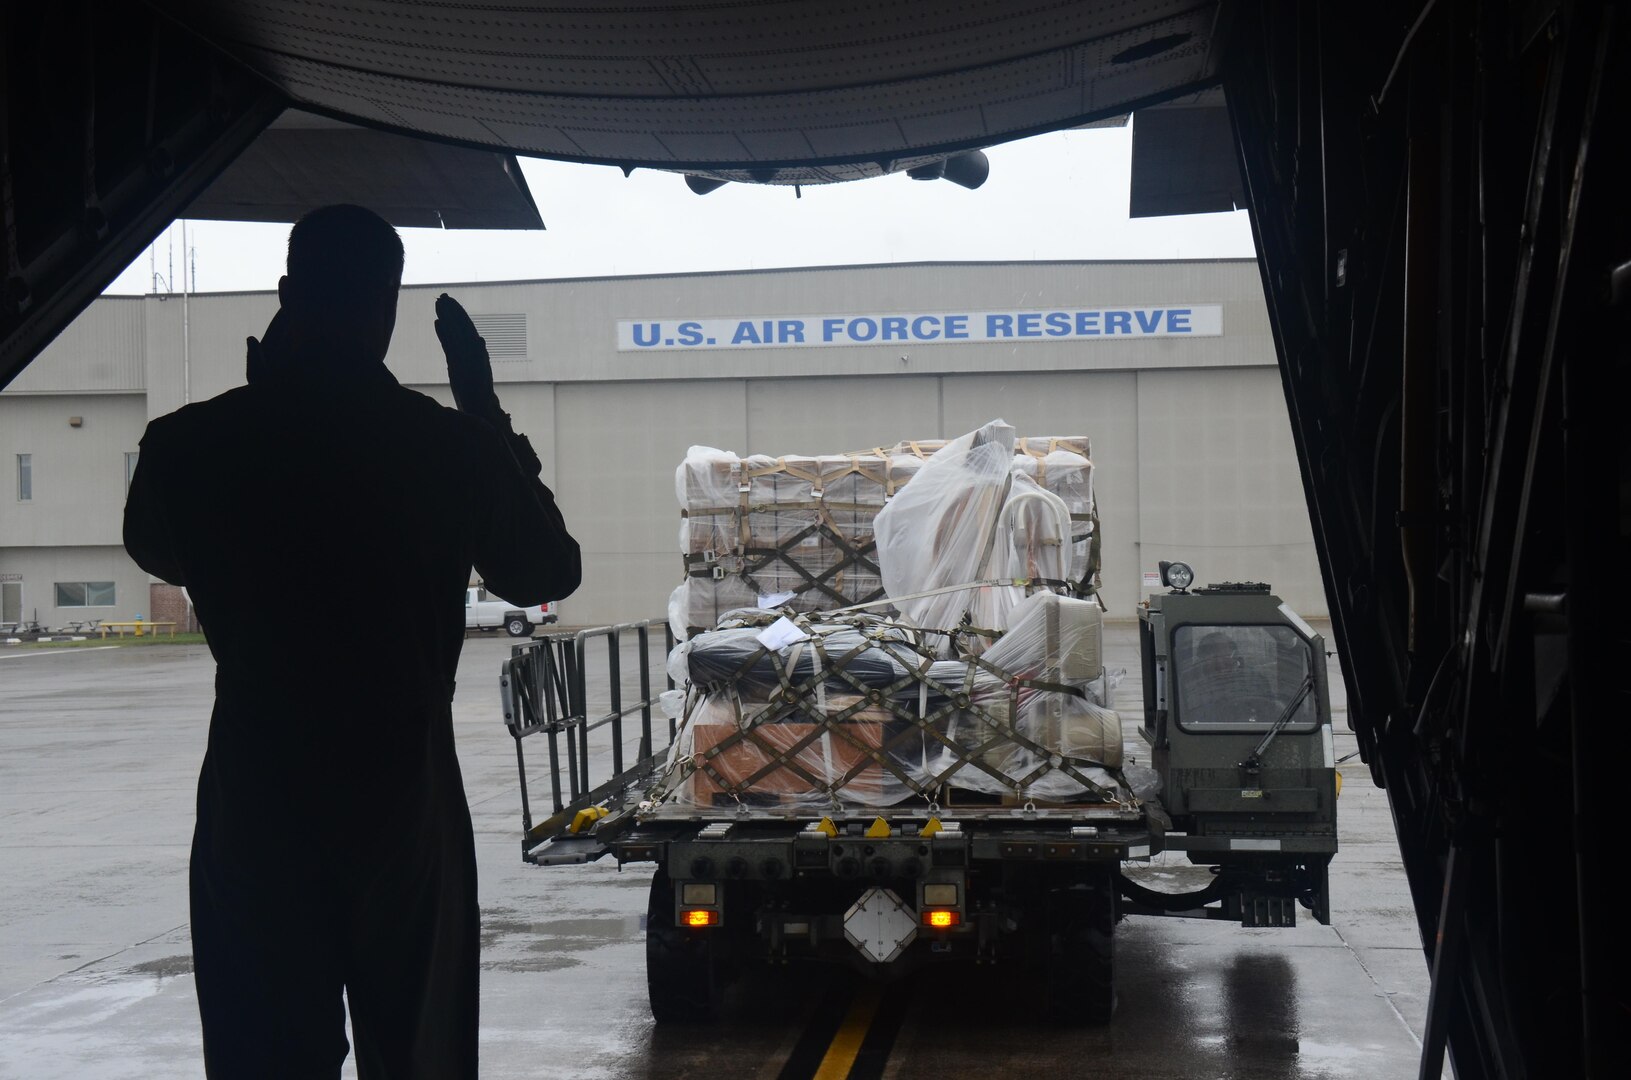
[1242, 678]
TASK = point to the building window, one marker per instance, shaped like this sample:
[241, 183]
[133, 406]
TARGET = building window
[85, 594]
[25, 477]
[130, 469]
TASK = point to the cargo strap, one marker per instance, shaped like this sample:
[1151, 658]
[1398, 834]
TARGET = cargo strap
[806, 700]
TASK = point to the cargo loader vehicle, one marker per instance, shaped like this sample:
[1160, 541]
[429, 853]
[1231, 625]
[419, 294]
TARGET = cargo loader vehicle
[980, 851]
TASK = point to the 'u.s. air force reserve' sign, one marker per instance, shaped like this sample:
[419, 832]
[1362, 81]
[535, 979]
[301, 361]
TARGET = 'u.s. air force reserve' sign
[937, 328]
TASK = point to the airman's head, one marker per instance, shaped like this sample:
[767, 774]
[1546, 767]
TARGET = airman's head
[344, 272]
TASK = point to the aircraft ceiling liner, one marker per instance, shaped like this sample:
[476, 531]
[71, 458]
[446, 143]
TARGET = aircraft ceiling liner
[128, 122]
[782, 91]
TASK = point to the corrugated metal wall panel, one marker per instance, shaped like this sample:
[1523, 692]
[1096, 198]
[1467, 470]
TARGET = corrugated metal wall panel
[617, 446]
[1218, 482]
[78, 472]
[196, 345]
[830, 416]
[99, 352]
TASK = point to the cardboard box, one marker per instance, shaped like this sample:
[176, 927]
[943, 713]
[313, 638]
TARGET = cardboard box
[826, 758]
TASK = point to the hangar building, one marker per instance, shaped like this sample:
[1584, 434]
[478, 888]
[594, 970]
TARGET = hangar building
[1168, 367]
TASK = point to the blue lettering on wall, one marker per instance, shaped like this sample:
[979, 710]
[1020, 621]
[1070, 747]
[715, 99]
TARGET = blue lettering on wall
[995, 326]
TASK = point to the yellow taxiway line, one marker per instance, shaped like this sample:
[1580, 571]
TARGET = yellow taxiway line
[846, 1044]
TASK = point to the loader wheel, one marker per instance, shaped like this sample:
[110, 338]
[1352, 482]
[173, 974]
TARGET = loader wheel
[1081, 976]
[1069, 955]
[518, 626]
[685, 974]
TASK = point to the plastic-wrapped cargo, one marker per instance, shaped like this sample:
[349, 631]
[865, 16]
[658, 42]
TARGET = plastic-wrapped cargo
[1069, 475]
[938, 537]
[808, 714]
[797, 531]
[782, 759]
[1060, 464]
[792, 531]
[1035, 531]
[970, 520]
[1044, 678]
[863, 654]
[988, 684]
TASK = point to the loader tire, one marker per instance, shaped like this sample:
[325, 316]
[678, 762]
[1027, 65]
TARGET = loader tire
[1067, 956]
[685, 974]
[1081, 965]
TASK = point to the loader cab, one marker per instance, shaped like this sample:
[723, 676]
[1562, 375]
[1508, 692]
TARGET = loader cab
[1237, 715]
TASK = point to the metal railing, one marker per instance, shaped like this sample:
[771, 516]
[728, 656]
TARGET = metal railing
[546, 690]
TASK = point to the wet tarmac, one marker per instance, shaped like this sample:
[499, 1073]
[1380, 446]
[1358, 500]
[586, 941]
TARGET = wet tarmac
[99, 751]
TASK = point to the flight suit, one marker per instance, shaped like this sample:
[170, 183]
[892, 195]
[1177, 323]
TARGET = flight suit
[325, 524]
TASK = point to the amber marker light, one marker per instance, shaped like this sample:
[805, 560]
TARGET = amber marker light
[941, 920]
[698, 917]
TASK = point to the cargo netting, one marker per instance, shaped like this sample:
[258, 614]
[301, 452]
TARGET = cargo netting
[893, 625]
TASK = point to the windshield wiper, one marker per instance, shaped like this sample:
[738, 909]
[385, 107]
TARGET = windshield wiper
[1254, 760]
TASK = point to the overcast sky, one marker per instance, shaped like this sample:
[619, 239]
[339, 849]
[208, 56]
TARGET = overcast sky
[1056, 196]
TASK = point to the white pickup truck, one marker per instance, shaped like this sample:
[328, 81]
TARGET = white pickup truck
[482, 613]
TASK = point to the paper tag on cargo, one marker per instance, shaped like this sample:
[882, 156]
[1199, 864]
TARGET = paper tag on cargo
[775, 599]
[781, 633]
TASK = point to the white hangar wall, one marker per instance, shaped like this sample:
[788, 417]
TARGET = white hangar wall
[1197, 466]
[1191, 442]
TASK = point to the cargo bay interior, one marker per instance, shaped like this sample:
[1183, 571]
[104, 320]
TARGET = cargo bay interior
[1190, 438]
[1445, 264]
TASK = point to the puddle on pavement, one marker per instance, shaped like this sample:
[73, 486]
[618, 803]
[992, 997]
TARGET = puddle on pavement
[511, 942]
[167, 967]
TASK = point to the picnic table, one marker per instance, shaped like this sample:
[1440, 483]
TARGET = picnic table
[139, 625]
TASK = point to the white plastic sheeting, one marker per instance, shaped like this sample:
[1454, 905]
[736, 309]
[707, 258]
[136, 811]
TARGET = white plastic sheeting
[939, 535]
[972, 517]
